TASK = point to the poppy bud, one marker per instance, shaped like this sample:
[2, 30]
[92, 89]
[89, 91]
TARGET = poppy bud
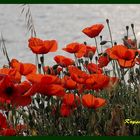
[101, 37]
[127, 28]
[86, 62]
[82, 61]
[107, 20]
[96, 58]
[79, 61]
[104, 54]
[115, 43]
[85, 43]
[103, 42]
[55, 66]
[79, 67]
[132, 25]
[42, 59]
[39, 66]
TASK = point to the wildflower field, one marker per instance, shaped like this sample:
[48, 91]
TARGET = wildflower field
[95, 94]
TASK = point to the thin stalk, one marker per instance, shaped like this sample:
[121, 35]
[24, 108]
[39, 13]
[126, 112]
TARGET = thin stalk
[96, 45]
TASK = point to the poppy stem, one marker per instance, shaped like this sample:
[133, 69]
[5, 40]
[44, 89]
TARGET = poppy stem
[101, 45]
[108, 25]
[96, 45]
[132, 26]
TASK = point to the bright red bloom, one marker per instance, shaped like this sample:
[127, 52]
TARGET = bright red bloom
[39, 46]
[13, 93]
[124, 56]
[97, 81]
[46, 85]
[103, 61]
[8, 132]
[130, 43]
[3, 123]
[93, 31]
[71, 100]
[90, 51]
[90, 101]
[13, 73]
[63, 61]
[68, 83]
[23, 68]
[77, 75]
[93, 68]
[65, 110]
[78, 49]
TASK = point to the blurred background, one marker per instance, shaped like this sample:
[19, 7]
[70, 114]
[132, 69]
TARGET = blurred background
[64, 23]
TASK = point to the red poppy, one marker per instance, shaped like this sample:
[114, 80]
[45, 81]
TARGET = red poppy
[39, 46]
[13, 73]
[90, 51]
[90, 101]
[93, 68]
[63, 61]
[4, 103]
[3, 123]
[97, 81]
[124, 56]
[103, 61]
[8, 89]
[13, 92]
[43, 79]
[65, 110]
[8, 132]
[71, 100]
[45, 84]
[77, 75]
[93, 30]
[68, 83]
[23, 68]
[78, 49]
[130, 43]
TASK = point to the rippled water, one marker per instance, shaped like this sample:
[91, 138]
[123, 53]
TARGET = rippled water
[63, 23]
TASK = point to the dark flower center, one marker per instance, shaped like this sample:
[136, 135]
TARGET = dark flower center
[9, 91]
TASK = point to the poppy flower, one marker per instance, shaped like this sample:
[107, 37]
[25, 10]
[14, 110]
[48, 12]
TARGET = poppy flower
[77, 75]
[124, 56]
[97, 81]
[90, 51]
[76, 48]
[45, 84]
[3, 122]
[68, 83]
[39, 46]
[8, 89]
[8, 132]
[4, 104]
[43, 79]
[93, 68]
[93, 31]
[130, 43]
[63, 61]
[90, 101]
[23, 68]
[103, 61]
[13, 73]
[53, 90]
[65, 110]
[14, 93]
[71, 100]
